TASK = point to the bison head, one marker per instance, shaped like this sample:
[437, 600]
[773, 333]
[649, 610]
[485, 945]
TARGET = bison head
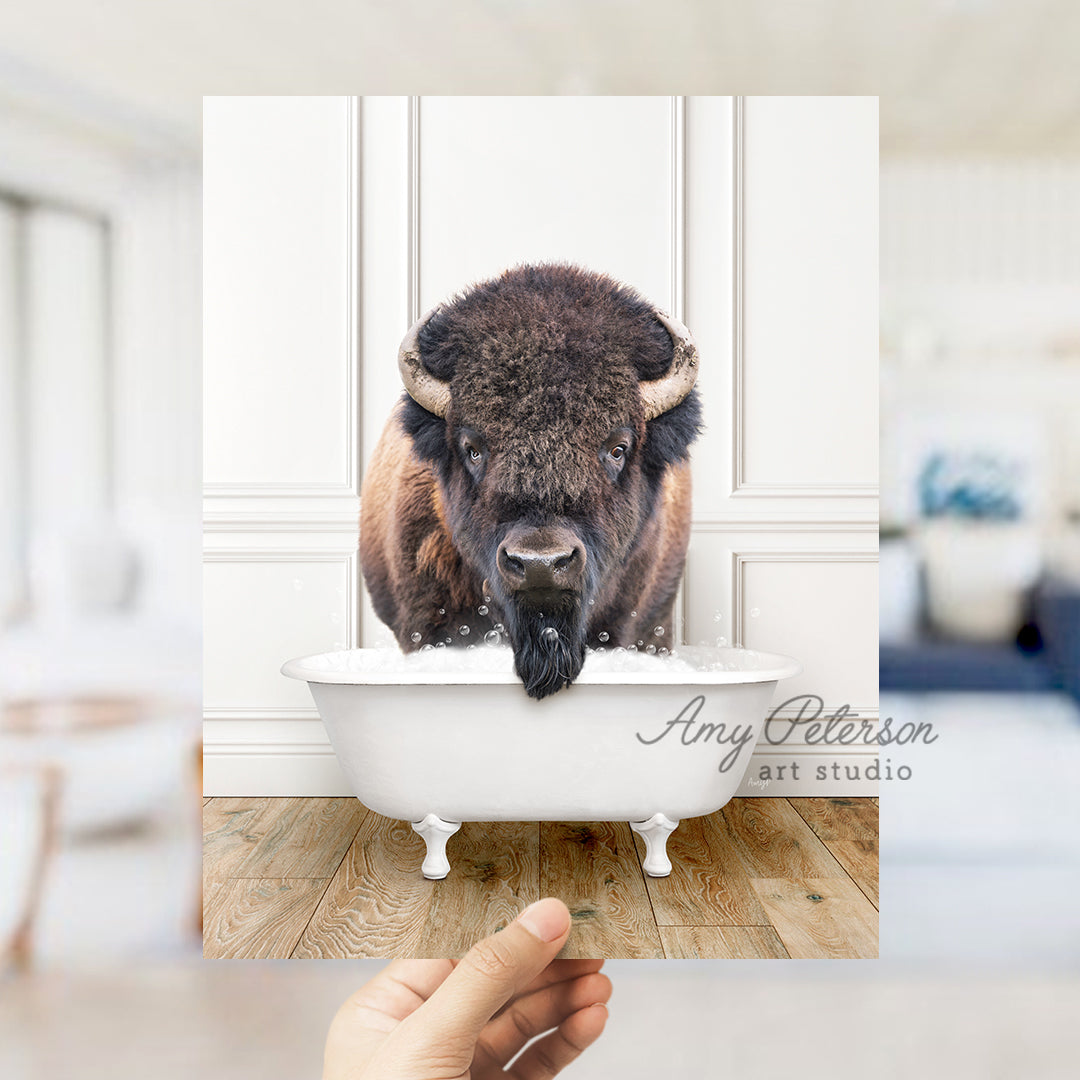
[550, 401]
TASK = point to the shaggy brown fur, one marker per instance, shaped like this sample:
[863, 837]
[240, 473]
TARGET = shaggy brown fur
[544, 364]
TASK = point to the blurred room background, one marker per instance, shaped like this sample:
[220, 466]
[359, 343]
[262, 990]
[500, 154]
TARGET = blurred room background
[99, 584]
[99, 529]
[980, 544]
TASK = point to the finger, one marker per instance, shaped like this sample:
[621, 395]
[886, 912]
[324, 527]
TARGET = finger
[557, 971]
[420, 978]
[396, 992]
[372, 1013]
[532, 1015]
[489, 974]
[548, 1056]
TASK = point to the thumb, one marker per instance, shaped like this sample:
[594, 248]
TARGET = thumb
[488, 976]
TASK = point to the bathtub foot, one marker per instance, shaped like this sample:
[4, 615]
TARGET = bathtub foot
[655, 832]
[436, 832]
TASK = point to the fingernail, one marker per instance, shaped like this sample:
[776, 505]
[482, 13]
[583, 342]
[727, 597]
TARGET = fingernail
[547, 919]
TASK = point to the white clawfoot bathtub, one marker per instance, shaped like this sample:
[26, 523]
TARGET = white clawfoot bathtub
[463, 742]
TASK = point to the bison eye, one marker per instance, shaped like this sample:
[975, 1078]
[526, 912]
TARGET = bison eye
[473, 450]
[615, 451]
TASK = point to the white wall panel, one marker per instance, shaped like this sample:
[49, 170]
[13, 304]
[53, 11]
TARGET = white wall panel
[515, 179]
[277, 349]
[709, 308]
[809, 298]
[281, 424]
[809, 591]
[386, 254]
[262, 608]
[820, 606]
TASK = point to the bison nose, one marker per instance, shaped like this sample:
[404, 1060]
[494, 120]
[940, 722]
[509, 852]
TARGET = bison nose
[556, 564]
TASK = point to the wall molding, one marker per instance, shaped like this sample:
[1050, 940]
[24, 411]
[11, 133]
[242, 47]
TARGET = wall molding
[737, 281]
[856, 712]
[349, 559]
[413, 201]
[740, 559]
[786, 523]
[266, 712]
[243, 489]
[678, 207]
[299, 769]
[275, 554]
[761, 490]
[272, 769]
[741, 487]
[677, 201]
[272, 521]
[260, 490]
[352, 292]
[263, 746]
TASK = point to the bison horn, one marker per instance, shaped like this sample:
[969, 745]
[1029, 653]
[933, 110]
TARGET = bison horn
[665, 393]
[427, 391]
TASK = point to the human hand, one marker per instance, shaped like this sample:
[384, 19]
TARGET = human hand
[448, 1019]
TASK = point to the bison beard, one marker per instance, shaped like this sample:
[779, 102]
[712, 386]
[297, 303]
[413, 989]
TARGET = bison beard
[545, 661]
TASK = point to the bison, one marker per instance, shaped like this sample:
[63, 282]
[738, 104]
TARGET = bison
[533, 484]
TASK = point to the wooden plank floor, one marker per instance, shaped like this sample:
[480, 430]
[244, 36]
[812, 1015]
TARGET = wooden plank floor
[326, 878]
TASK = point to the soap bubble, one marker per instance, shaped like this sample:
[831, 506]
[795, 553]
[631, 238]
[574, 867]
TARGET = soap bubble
[500, 628]
[416, 637]
[483, 609]
[492, 637]
[717, 617]
[659, 631]
[449, 641]
[633, 614]
[442, 611]
[721, 641]
[755, 612]
[651, 649]
[469, 648]
[440, 645]
[463, 631]
[549, 634]
[640, 643]
[427, 648]
[603, 635]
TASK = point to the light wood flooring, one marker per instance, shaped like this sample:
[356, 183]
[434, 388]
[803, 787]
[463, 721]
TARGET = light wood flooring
[762, 878]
